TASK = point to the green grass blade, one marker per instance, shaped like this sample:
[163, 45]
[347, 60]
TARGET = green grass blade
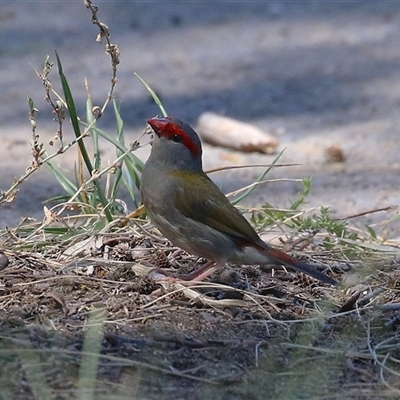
[75, 124]
[134, 166]
[72, 114]
[259, 179]
[135, 160]
[69, 187]
[91, 355]
[153, 95]
[133, 172]
[120, 126]
[118, 151]
[91, 121]
[304, 193]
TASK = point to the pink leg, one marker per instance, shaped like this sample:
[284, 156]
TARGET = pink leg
[199, 274]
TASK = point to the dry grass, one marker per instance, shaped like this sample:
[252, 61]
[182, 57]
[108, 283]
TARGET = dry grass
[88, 315]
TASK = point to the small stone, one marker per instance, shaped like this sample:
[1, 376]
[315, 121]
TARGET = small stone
[4, 261]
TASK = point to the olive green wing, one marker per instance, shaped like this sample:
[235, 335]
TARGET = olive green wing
[201, 200]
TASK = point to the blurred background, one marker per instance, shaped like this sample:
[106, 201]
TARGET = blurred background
[318, 75]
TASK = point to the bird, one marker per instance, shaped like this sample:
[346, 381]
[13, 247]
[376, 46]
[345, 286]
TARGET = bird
[191, 211]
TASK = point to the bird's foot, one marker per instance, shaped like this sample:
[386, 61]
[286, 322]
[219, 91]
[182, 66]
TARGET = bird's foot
[197, 275]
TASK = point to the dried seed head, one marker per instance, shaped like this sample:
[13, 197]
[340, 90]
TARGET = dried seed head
[96, 111]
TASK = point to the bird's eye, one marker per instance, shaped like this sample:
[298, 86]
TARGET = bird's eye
[176, 138]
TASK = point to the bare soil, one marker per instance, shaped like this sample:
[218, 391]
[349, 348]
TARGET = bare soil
[245, 334]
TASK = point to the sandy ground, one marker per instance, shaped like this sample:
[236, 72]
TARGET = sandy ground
[316, 73]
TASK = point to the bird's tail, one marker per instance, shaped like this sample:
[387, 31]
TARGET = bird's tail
[285, 259]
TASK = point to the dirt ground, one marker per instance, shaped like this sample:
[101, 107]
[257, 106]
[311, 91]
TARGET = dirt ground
[102, 326]
[316, 74]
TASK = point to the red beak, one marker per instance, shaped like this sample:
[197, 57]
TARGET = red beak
[159, 123]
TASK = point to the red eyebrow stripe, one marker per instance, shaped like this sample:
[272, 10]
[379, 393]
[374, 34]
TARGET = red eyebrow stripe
[174, 129]
[167, 128]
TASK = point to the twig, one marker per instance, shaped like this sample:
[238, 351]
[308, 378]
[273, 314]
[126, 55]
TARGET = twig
[110, 48]
[365, 213]
[228, 167]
